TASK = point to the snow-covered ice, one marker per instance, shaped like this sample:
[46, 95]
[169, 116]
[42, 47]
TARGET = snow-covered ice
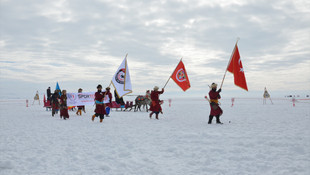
[255, 139]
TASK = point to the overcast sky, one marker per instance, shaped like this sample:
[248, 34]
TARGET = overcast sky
[81, 43]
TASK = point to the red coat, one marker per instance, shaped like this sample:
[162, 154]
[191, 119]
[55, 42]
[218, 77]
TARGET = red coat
[155, 106]
[100, 109]
[63, 107]
[215, 108]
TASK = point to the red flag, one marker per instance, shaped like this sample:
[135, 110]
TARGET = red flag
[180, 77]
[235, 67]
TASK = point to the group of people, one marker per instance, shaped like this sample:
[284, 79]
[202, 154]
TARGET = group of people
[58, 102]
[103, 101]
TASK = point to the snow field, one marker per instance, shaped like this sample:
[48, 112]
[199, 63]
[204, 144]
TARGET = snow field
[260, 139]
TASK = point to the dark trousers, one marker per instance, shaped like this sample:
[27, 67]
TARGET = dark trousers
[100, 115]
[211, 118]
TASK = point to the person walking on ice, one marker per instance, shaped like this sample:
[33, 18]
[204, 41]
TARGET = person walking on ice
[63, 105]
[155, 106]
[100, 106]
[214, 104]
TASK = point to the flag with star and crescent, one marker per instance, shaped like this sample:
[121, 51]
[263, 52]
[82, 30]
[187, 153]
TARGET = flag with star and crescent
[236, 68]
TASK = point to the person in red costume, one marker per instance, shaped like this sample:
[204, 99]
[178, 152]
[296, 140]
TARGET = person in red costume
[214, 104]
[63, 105]
[155, 106]
[100, 106]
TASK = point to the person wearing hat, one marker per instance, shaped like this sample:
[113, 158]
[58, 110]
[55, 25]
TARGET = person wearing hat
[55, 98]
[48, 93]
[108, 100]
[63, 105]
[155, 106]
[80, 108]
[214, 104]
[100, 106]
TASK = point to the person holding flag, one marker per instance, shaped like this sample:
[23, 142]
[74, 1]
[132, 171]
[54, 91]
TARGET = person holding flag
[235, 67]
[214, 104]
[155, 106]
[100, 106]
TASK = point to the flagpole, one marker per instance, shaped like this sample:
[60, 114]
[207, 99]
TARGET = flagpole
[229, 61]
[172, 73]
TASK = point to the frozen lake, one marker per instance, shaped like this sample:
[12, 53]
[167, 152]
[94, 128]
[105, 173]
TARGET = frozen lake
[254, 139]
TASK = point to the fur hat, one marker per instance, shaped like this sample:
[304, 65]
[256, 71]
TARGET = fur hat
[213, 85]
[156, 88]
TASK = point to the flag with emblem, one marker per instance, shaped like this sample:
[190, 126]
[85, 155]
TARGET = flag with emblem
[180, 77]
[236, 68]
[121, 80]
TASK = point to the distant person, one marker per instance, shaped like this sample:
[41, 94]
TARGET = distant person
[80, 108]
[48, 93]
[100, 106]
[55, 102]
[214, 104]
[63, 105]
[118, 100]
[155, 106]
[108, 100]
[148, 94]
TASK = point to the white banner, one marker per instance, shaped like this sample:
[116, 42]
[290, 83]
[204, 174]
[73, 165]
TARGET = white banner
[121, 79]
[80, 99]
[85, 98]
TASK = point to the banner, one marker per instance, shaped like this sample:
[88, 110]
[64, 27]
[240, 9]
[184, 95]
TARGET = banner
[121, 80]
[85, 98]
[236, 68]
[180, 77]
[80, 99]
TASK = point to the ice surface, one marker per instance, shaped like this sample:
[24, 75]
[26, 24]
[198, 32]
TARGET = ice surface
[255, 139]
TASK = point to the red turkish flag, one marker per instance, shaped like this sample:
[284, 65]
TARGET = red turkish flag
[236, 68]
[180, 77]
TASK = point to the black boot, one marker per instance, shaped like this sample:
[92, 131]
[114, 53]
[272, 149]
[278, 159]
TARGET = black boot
[218, 120]
[210, 119]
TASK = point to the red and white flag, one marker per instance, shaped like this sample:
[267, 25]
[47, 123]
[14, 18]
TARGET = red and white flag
[236, 68]
[180, 77]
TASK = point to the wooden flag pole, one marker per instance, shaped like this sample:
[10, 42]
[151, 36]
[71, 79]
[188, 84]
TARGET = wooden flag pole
[171, 74]
[229, 61]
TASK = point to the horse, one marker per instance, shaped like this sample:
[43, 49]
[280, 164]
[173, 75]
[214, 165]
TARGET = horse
[142, 101]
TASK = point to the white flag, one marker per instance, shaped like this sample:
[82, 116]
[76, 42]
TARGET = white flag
[121, 80]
